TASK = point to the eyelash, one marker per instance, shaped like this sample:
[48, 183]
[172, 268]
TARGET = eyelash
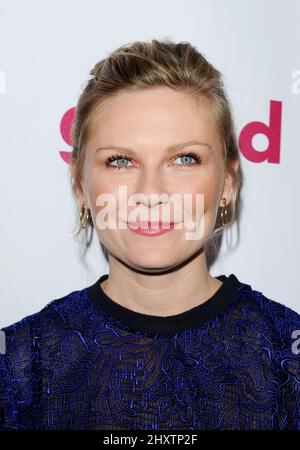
[118, 156]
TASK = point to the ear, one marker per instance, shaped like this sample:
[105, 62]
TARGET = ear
[228, 184]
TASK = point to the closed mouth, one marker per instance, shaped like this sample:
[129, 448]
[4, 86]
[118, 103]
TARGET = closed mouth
[151, 225]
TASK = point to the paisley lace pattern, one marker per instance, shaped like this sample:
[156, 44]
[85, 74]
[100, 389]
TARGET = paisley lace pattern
[73, 366]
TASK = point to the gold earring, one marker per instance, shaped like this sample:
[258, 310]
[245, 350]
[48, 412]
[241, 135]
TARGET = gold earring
[224, 212]
[84, 217]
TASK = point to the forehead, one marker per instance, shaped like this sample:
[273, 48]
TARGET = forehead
[155, 114]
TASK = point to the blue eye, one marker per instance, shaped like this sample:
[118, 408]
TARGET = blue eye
[186, 159]
[123, 158]
[117, 158]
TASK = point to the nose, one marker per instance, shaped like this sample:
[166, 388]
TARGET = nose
[151, 189]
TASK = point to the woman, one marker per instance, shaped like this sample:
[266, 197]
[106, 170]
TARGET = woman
[158, 343]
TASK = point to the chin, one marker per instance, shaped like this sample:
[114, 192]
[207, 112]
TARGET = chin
[154, 264]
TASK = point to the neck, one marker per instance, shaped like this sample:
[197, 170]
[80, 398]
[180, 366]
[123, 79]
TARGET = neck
[161, 294]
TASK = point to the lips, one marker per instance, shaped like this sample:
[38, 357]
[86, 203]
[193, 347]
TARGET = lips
[151, 225]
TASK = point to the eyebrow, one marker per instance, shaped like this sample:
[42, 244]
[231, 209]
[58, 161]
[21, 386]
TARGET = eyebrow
[169, 149]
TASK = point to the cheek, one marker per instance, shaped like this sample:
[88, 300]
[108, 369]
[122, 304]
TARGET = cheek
[101, 185]
[208, 185]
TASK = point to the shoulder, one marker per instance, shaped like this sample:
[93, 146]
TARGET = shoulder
[283, 319]
[57, 312]
[269, 331]
[25, 356]
[271, 323]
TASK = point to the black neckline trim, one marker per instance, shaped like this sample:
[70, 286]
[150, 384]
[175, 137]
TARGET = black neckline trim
[191, 318]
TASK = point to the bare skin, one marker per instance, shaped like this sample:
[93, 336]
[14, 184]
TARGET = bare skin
[166, 274]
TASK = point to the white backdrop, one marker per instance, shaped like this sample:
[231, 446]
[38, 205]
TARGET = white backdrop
[47, 50]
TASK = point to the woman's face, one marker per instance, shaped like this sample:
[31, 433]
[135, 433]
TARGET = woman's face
[148, 123]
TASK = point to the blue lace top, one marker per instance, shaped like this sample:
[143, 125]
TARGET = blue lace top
[86, 362]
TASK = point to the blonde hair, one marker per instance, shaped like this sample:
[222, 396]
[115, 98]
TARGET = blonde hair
[143, 65]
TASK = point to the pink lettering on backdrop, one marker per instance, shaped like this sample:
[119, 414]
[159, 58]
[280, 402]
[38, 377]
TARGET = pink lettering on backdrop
[271, 131]
[65, 131]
